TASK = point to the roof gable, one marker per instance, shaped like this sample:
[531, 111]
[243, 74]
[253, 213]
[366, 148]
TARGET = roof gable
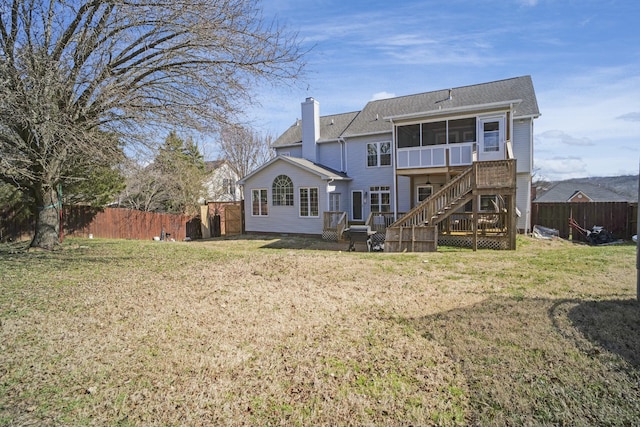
[321, 171]
[331, 128]
[565, 191]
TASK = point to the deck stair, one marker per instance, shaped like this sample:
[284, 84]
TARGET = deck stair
[482, 178]
[441, 204]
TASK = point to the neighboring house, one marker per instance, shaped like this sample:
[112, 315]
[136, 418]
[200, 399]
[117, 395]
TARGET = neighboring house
[220, 213]
[221, 183]
[395, 156]
[573, 205]
[583, 190]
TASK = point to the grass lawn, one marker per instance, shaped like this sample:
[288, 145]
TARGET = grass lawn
[292, 331]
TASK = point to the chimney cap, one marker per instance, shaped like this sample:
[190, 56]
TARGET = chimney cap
[309, 99]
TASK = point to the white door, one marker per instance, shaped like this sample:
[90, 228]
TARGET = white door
[334, 202]
[491, 138]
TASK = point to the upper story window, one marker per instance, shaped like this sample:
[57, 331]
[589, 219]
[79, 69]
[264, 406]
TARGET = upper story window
[436, 133]
[378, 154]
[229, 186]
[282, 191]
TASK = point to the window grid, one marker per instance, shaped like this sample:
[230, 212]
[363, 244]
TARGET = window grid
[282, 191]
[260, 207]
[378, 154]
[309, 202]
[380, 199]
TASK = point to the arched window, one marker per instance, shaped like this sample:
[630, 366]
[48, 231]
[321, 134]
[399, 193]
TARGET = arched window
[282, 191]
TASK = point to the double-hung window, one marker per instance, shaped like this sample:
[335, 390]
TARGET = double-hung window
[380, 199]
[309, 202]
[378, 154]
[228, 186]
[259, 205]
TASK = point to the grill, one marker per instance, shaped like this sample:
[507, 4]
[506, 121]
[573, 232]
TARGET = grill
[359, 233]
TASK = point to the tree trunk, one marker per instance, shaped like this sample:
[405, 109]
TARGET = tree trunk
[48, 225]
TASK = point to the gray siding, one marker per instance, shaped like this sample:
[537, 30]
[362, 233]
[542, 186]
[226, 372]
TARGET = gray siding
[523, 144]
[285, 219]
[329, 154]
[363, 176]
[523, 200]
[293, 151]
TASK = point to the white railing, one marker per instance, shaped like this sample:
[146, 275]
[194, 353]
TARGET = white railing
[459, 154]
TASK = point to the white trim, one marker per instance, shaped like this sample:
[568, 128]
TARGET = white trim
[362, 203]
[259, 215]
[378, 155]
[445, 111]
[309, 205]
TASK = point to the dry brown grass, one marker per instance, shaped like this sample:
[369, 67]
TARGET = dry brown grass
[292, 331]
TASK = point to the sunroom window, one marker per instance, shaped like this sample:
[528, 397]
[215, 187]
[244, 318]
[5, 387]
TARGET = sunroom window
[259, 206]
[282, 191]
[309, 202]
[408, 136]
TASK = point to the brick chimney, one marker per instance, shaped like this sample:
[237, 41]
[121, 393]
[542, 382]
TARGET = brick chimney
[310, 128]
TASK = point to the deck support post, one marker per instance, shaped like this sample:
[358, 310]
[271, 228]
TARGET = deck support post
[474, 223]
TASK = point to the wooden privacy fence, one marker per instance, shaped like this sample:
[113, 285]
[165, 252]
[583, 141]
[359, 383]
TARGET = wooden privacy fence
[116, 223]
[617, 217]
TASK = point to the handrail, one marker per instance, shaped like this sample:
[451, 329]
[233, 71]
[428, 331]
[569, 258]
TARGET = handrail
[342, 224]
[442, 199]
[387, 219]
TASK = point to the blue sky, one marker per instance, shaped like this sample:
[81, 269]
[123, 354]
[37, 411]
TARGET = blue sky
[583, 56]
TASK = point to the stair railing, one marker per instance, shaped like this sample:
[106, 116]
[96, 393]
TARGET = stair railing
[439, 202]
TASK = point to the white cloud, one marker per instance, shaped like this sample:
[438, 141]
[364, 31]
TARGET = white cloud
[559, 168]
[565, 138]
[382, 95]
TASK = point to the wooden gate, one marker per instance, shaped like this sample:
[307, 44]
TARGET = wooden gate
[233, 220]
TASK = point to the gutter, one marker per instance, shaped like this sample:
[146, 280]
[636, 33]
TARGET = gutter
[466, 108]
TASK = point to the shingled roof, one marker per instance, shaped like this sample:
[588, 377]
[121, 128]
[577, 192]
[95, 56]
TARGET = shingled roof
[374, 118]
[563, 191]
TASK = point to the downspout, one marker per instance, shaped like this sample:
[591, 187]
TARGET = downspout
[342, 154]
[328, 193]
[395, 174]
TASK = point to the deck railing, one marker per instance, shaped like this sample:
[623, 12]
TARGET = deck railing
[483, 175]
[495, 174]
[379, 221]
[334, 223]
[441, 200]
[462, 222]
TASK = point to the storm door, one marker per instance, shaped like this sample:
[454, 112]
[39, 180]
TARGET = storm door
[491, 138]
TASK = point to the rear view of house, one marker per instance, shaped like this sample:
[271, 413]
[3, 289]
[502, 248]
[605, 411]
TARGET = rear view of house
[458, 160]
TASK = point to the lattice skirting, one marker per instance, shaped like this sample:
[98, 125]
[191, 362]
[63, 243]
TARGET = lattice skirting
[330, 235]
[484, 242]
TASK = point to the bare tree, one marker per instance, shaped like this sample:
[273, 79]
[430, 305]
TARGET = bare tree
[74, 71]
[173, 183]
[244, 148]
